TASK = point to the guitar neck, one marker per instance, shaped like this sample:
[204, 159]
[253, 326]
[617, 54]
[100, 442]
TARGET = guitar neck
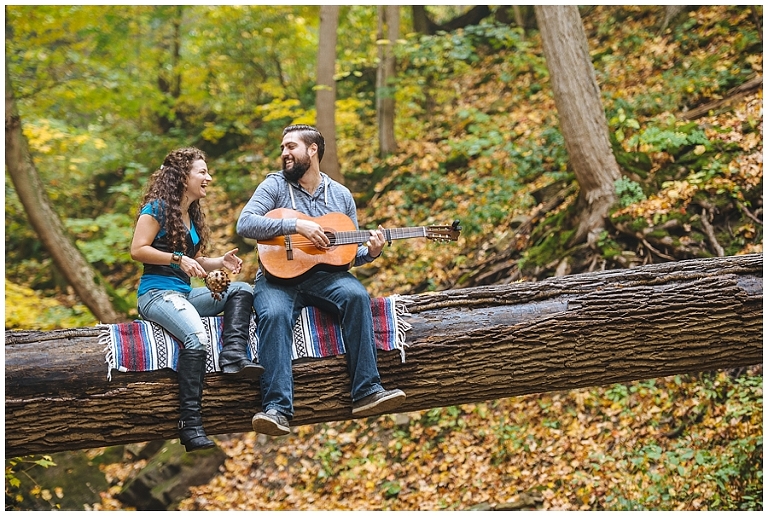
[359, 237]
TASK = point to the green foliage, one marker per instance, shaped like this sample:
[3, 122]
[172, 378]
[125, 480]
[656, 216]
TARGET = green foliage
[27, 309]
[622, 123]
[700, 66]
[669, 470]
[391, 489]
[329, 457]
[20, 466]
[656, 139]
[617, 393]
[105, 239]
[533, 158]
[628, 192]
[607, 246]
[428, 58]
[651, 471]
[548, 240]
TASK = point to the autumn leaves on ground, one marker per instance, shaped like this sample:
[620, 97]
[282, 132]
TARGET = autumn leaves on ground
[675, 443]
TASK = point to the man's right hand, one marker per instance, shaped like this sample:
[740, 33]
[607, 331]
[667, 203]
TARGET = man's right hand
[313, 232]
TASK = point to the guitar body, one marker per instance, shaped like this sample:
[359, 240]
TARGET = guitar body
[291, 258]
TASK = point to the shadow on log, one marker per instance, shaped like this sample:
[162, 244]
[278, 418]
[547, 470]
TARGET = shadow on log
[466, 345]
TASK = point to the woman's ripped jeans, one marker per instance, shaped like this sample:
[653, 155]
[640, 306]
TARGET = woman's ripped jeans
[181, 314]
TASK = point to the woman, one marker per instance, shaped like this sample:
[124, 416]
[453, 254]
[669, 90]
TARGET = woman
[170, 239]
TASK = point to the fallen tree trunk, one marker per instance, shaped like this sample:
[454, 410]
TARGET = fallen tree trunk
[466, 345]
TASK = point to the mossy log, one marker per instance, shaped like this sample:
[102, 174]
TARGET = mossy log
[466, 345]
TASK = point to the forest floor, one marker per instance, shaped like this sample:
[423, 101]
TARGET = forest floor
[677, 443]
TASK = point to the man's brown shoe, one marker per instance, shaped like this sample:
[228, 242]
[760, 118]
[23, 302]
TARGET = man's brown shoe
[378, 403]
[270, 422]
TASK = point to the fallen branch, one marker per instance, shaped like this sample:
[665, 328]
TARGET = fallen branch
[731, 96]
[710, 232]
[656, 251]
[748, 213]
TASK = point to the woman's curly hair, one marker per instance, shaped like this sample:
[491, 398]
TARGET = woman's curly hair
[167, 185]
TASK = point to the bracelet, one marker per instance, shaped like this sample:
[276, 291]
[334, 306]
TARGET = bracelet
[176, 260]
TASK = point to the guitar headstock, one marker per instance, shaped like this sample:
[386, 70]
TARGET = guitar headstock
[444, 233]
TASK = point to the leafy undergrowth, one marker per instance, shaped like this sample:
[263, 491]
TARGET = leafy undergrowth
[690, 442]
[25, 308]
[687, 186]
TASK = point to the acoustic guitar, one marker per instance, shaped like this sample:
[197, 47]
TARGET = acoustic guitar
[290, 258]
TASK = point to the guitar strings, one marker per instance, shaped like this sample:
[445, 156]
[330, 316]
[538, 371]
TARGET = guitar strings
[354, 237]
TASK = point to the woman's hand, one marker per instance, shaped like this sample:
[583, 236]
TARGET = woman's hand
[231, 261]
[192, 267]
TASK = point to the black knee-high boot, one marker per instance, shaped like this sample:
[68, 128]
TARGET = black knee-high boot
[191, 370]
[233, 359]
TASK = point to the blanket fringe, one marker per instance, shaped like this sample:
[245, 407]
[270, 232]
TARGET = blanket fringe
[109, 351]
[400, 311]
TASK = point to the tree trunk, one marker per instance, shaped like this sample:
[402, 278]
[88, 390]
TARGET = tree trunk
[169, 80]
[582, 118]
[326, 89]
[422, 23]
[670, 13]
[388, 32]
[466, 346]
[70, 262]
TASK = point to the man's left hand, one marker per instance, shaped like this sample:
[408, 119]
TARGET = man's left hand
[376, 243]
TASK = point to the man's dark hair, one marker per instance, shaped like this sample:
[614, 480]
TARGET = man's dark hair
[308, 135]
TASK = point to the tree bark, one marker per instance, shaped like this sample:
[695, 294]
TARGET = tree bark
[325, 98]
[670, 13]
[388, 32]
[466, 346]
[582, 118]
[26, 180]
[169, 80]
[422, 23]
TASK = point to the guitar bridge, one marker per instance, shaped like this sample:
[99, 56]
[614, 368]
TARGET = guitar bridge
[288, 247]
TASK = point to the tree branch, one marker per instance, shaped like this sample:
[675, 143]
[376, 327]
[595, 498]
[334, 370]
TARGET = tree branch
[710, 232]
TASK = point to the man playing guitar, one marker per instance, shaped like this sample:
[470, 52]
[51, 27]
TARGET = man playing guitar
[302, 187]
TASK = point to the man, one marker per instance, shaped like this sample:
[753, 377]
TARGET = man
[301, 186]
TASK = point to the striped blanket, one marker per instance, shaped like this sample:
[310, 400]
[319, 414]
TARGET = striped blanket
[145, 346]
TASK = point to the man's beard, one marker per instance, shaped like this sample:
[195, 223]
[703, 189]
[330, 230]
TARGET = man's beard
[300, 167]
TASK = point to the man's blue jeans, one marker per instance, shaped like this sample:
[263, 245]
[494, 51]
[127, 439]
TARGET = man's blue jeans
[278, 307]
[180, 314]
